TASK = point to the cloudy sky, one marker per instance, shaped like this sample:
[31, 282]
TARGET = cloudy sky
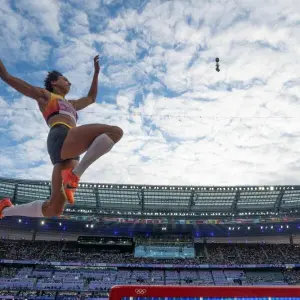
[184, 123]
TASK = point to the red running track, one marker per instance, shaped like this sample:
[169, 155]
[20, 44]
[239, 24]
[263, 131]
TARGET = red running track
[118, 292]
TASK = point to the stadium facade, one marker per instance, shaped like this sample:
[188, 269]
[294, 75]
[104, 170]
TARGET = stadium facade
[144, 201]
[130, 210]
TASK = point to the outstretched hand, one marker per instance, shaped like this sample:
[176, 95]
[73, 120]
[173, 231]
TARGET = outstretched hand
[96, 64]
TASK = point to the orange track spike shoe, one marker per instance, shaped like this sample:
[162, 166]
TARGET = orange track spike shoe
[70, 184]
[4, 202]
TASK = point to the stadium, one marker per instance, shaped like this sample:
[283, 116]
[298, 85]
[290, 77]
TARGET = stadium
[162, 141]
[150, 235]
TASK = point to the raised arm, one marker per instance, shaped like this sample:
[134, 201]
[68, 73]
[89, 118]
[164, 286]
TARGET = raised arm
[22, 86]
[92, 95]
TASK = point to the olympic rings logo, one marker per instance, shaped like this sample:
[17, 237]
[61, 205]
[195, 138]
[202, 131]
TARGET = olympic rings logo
[140, 291]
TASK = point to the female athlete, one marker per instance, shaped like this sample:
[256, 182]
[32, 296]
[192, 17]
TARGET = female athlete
[65, 143]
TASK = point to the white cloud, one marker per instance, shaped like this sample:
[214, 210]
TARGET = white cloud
[38, 51]
[43, 14]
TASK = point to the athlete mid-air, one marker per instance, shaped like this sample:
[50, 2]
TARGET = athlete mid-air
[65, 143]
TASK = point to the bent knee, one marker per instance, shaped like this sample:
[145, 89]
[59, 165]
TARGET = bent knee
[117, 133]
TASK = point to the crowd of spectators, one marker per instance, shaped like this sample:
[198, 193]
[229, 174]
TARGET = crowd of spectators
[7, 272]
[101, 280]
[83, 282]
[51, 295]
[224, 254]
[292, 276]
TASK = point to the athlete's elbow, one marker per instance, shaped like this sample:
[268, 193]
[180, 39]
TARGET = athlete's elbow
[6, 77]
[91, 98]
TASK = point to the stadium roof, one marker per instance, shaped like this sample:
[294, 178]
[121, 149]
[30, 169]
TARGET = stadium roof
[157, 201]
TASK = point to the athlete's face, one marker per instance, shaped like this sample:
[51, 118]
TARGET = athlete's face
[62, 83]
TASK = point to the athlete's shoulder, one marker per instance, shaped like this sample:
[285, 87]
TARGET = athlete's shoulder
[44, 96]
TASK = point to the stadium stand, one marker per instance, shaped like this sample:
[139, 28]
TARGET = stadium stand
[214, 254]
[77, 275]
[40, 278]
[201, 242]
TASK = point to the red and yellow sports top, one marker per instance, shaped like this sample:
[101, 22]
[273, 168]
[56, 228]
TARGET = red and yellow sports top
[59, 105]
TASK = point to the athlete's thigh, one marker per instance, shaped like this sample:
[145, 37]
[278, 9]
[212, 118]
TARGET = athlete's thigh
[80, 138]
